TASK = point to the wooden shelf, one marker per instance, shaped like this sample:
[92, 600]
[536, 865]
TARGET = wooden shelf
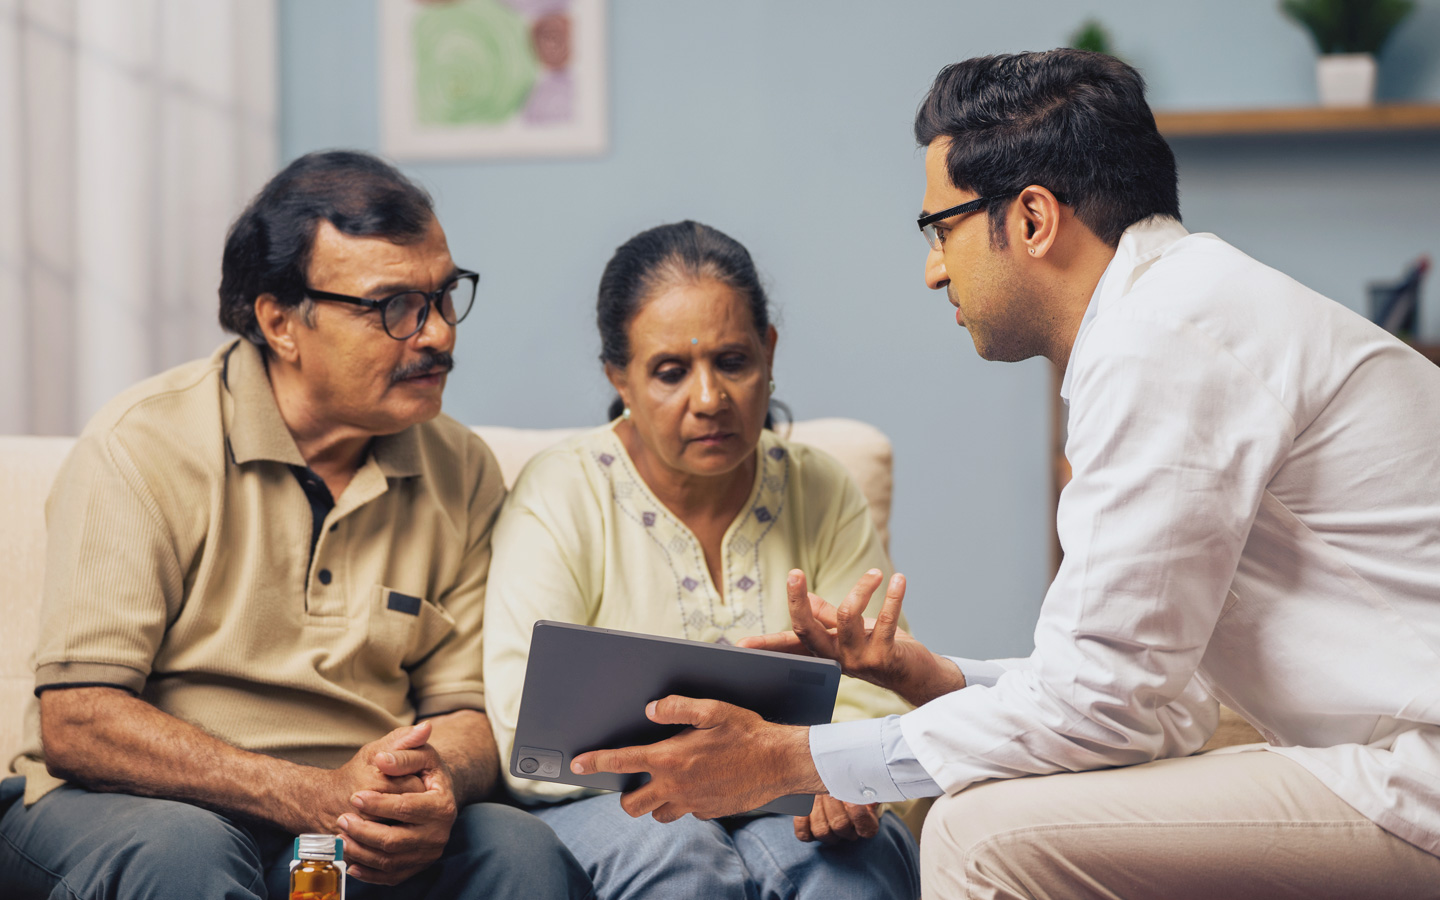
[1395, 117]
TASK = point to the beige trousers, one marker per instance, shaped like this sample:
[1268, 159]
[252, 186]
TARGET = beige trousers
[1219, 825]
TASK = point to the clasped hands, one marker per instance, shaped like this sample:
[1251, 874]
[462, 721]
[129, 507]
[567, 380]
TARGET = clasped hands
[730, 760]
[393, 804]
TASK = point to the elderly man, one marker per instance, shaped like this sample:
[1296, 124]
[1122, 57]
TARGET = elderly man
[1253, 517]
[264, 589]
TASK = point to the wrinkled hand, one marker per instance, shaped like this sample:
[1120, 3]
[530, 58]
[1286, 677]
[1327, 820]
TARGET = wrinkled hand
[833, 821]
[729, 761]
[875, 650]
[392, 834]
[329, 795]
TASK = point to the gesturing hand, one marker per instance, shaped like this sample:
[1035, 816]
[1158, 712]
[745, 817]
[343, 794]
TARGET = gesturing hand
[729, 761]
[392, 834]
[832, 821]
[875, 650]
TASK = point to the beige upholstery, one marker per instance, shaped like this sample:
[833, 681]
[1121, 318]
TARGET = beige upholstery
[28, 466]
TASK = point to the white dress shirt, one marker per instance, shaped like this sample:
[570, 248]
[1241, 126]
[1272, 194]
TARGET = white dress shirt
[1255, 504]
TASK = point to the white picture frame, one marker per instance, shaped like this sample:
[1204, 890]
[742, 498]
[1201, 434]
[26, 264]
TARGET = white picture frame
[489, 79]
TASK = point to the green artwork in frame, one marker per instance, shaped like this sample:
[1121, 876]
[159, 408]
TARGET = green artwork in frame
[492, 78]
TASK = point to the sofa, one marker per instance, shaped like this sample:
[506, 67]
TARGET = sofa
[28, 466]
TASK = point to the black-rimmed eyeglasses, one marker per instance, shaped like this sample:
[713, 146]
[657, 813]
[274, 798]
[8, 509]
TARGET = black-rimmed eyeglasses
[404, 314]
[927, 223]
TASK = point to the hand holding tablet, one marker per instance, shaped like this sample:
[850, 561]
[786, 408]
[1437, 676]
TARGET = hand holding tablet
[589, 689]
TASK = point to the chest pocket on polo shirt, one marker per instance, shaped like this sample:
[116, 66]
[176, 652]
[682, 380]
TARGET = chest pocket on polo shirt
[404, 629]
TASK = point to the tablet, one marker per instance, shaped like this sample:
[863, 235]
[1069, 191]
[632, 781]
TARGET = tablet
[586, 688]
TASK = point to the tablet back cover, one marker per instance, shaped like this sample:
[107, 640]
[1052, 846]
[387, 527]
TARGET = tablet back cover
[586, 688]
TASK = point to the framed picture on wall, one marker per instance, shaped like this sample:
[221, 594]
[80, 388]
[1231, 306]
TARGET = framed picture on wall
[466, 79]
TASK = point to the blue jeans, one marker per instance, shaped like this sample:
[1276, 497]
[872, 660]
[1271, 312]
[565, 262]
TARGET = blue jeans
[755, 858]
[77, 845]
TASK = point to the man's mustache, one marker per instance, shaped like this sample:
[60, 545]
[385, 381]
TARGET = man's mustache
[432, 363]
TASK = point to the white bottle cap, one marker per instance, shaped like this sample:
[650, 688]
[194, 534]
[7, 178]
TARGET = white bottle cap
[318, 846]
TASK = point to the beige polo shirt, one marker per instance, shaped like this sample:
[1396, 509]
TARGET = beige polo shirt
[179, 567]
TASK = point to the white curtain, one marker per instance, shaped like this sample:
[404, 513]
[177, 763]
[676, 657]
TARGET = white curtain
[131, 133]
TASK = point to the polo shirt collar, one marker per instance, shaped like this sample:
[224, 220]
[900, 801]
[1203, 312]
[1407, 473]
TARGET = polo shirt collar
[398, 455]
[257, 432]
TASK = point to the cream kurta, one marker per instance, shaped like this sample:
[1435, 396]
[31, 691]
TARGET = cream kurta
[583, 539]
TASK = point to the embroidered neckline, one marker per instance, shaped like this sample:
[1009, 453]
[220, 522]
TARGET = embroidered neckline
[703, 614]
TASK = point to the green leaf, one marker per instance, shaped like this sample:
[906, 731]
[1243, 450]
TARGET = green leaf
[1092, 36]
[1348, 26]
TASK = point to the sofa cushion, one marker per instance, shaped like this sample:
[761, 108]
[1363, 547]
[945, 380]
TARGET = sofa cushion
[27, 468]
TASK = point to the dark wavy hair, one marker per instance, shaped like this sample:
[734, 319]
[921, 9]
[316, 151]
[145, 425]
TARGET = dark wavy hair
[268, 248]
[662, 256]
[1069, 120]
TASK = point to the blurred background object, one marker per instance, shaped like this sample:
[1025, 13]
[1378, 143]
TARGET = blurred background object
[1395, 306]
[1092, 36]
[1349, 35]
[131, 132]
[492, 78]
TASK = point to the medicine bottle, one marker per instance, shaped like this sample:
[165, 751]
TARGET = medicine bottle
[315, 872]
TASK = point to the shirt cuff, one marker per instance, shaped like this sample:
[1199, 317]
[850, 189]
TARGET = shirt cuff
[978, 672]
[868, 761]
[85, 674]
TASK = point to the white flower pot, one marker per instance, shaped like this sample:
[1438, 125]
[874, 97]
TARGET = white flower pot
[1346, 79]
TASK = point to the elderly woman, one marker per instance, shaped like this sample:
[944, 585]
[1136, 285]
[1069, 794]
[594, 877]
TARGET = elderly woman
[682, 517]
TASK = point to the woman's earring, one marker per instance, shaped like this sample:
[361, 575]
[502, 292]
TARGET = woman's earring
[626, 414]
[772, 386]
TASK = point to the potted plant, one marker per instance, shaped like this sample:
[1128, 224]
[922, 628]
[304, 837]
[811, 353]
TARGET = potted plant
[1092, 36]
[1348, 34]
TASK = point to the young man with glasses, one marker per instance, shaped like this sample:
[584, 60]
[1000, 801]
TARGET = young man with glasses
[1253, 517]
[265, 582]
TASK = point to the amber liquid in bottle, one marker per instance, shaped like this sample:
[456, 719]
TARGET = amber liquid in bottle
[315, 879]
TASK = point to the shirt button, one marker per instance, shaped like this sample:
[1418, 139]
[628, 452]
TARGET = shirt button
[868, 794]
[324, 576]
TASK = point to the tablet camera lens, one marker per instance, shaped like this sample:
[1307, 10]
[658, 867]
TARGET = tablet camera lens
[528, 765]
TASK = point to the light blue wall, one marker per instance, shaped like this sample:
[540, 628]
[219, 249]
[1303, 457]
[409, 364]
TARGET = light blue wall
[787, 124]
